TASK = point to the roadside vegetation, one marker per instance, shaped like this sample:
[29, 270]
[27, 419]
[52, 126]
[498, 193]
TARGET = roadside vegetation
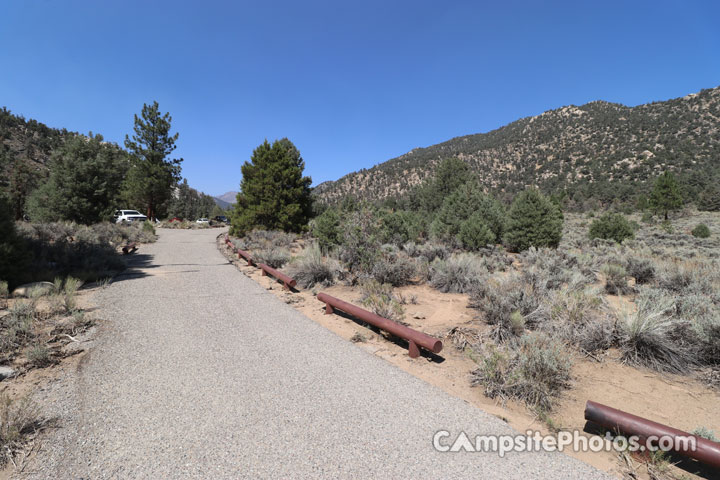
[547, 286]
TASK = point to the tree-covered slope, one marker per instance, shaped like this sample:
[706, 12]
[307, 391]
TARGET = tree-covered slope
[595, 152]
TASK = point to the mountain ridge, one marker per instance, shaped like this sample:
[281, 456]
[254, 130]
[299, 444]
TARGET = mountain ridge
[596, 151]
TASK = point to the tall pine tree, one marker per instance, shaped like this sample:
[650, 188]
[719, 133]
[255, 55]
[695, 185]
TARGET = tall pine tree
[274, 194]
[150, 182]
[86, 175]
[665, 196]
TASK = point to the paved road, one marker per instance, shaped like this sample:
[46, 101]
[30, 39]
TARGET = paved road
[204, 374]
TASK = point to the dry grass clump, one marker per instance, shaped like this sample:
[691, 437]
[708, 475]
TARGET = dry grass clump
[270, 238]
[687, 277]
[462, 338]
[38, 355]
[184, 225]
[19, 421]
[275, 258]
[381, 300]
[461, 273]
[507, 304]
[395, 268]
[536, 371]
[579, 318]
[429, 251]
[647, 336]
[641, 269]
[16, 328]
[314, 269]
[4, 294]
[616, 280]
[265, 240]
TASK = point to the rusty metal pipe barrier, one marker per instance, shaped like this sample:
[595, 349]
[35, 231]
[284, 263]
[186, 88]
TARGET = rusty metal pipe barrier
[706, 451]
[240, 253]
[288, 282]
[414, 338]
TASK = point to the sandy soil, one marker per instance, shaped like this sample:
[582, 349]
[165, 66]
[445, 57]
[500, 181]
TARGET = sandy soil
[670, 399]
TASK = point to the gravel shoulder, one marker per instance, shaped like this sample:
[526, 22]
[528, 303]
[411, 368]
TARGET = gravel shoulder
[199, 372]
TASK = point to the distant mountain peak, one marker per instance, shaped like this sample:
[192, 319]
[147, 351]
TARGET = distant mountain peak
[228, 197]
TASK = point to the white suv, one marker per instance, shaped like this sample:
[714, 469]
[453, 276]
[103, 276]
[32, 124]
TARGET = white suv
[129, 216]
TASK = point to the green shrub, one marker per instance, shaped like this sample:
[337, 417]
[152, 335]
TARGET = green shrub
[360, 247]
[701, 231]
[535, 372]
[465, 202]
[402, 226]
[475, 233]
[533, 221]
[326, 229]
[611, 226]
[647, 217]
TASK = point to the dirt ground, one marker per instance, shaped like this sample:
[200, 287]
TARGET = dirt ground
[674, 400]
[28, 380]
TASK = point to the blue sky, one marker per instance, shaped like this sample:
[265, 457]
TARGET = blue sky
[351, 84]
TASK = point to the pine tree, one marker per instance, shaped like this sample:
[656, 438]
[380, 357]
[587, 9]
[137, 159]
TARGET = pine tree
[709, 200]
[449, 176]
[665, 196]
[274, 194]
[85, 182]
[23, 180]
[149, 183]
[14, 254]
[533, 221]
[466, 201]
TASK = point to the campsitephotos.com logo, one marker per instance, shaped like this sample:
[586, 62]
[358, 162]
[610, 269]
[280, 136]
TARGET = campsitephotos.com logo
[534, 441]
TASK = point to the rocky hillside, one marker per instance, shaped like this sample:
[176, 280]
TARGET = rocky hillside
[27, 141]
[598, 151]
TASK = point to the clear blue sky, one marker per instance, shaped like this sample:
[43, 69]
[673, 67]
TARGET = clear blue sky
[351, 84]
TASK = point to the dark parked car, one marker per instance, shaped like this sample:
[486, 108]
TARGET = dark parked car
[221, 219]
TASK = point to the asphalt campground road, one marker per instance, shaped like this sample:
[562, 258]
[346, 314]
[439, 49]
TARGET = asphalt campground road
[201, 373]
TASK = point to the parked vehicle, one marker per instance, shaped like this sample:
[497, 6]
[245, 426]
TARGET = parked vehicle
[221, 219]
[129, 216]
[202, 220]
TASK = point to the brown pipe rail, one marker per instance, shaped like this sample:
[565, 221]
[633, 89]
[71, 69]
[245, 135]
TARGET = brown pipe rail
[704, 451]
[414, 338]
[240, 253]
[245, 255]
[288, 282]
